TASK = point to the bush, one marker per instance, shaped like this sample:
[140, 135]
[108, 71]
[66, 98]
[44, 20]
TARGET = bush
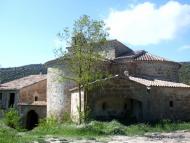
[12, 118]
[48, 122]
[66, 118]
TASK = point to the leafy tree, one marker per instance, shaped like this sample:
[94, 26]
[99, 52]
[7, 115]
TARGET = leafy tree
[83, 57]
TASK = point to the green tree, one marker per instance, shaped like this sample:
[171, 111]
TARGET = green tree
[83, 56]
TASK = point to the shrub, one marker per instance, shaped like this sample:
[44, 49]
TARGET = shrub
[66, 118]
[47, 122]
[12, 118]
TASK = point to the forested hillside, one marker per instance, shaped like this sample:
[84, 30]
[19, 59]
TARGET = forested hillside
[8, 74]
[184, 74]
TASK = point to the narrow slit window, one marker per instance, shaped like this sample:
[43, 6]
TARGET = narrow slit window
[171, 103]
[1, 96]
[104, 106]
[11, 100]
[36, 98]
[125, 106]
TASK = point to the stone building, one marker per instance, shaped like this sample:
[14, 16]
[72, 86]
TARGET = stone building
[28, 95]
[144, 87]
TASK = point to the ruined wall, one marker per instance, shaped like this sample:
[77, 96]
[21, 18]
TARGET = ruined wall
[28, 94]
[58, 96]
[169, 103]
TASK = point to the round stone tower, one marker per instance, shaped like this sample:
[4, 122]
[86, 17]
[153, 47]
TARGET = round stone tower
[58, 98]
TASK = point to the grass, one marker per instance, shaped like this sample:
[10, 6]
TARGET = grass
[91, 130]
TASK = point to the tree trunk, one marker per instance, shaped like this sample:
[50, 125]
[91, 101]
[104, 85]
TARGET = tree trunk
[80, 120]
[85, 104]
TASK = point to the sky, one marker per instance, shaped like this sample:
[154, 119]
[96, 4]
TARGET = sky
[28, 28]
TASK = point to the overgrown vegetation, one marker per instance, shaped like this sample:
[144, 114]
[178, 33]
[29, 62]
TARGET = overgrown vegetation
[94, 129]
[12, 118]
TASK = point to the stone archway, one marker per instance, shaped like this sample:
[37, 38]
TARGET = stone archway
[31, 120]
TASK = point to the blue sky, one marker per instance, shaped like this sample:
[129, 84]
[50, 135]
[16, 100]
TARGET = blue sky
[28, 28]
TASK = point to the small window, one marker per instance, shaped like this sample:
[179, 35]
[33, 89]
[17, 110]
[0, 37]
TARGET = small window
[11, 100]
[171, 104]
[1, 96]
[148, 90]
[104, 106]
[125, 106]
[36, 98]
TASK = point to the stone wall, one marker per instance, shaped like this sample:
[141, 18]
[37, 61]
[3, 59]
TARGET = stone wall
[4, 103]
[169, 103]
[25, 109]
[148, 69]
[158, 70]
[28, 94]
[75, 105]
[124, 99]
[118, 99]
[58, 95]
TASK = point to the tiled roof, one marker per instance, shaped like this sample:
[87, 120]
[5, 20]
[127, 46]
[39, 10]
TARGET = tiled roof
[22, 82]
[145, 56]
[35, 103]
[158, 83]
[142, 56]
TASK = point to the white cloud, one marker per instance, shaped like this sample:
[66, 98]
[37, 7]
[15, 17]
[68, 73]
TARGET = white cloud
[184, 48]
[145, 24]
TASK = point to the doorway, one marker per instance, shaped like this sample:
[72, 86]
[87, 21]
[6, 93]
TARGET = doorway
[12, 100]
[32, 120]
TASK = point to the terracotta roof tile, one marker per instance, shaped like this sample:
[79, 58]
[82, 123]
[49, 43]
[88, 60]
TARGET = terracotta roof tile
[145, 56]
[22, 82]
[156, 82]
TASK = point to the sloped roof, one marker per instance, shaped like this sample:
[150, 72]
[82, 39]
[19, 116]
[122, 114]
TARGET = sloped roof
[142, 56]
[142, 81]
[145, 56]
[158, 83]
[22, 82]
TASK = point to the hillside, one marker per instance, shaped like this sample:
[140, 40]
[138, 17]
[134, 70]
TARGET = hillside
[8, 74]
[184, 74]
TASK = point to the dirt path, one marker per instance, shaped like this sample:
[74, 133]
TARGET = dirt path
[174, 137]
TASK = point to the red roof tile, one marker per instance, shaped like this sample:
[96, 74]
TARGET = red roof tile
[156, 82]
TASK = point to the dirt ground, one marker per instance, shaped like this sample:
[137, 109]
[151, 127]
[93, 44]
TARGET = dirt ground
[173, 137]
